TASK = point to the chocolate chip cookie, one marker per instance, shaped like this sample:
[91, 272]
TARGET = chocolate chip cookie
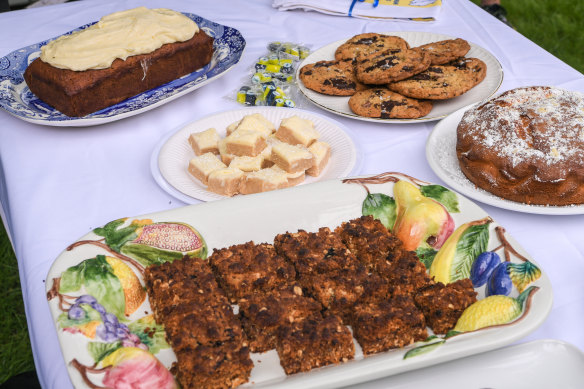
[385, 104]
[390, 65]
[443, 81]
[369, 43]
[445, 51]
[336, 78]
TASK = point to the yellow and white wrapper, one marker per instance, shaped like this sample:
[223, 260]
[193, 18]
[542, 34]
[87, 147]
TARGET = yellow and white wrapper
[398, 10]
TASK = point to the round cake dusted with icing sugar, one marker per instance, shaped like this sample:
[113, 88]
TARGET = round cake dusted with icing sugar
[526, 145]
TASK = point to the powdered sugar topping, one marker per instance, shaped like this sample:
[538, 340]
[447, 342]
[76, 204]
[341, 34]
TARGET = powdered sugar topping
[531, 125]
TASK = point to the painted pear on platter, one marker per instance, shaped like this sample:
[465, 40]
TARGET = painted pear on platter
[421, 221]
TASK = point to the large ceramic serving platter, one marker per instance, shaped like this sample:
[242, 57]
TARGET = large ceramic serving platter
[17, 99]
[81, 270]
[441, 156]
[171, 157]
[340, 104]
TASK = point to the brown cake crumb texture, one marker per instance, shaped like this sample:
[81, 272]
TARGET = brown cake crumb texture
[526, 145]
[298, 296]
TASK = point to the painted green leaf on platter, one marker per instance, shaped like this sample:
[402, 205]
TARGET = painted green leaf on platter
[381, 207]
[444, 196]
[472, 242]
[426, 255]
[116, 237]
[98, 279]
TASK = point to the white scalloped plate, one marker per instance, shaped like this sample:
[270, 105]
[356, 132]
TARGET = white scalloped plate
[340, 104]
[441, 156]
[172, 155]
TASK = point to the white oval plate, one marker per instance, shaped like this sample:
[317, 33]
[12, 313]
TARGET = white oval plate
[171, 157]
[340, 104]
[441, 155]
[259, 218]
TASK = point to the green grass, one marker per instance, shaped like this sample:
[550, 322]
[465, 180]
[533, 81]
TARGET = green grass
[15, 353]
[555, 25]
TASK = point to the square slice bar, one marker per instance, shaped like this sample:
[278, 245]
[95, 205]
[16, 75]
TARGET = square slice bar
[383, 325]
[225, 181]
[314, 251]
[337, 291]
[313, 343]
[263, 180]
[263, 314]
[406, 274]
[248, 268]
[442, 304]
[213, 367]
[245, 142]
[201, 166]
[183, 280]
[297, 131]
[322, 154]
[292, 159]
[209, 324]
[370, 241]
[204, 142]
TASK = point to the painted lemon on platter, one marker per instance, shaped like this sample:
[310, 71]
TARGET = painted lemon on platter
[134, 293]
[491, 311]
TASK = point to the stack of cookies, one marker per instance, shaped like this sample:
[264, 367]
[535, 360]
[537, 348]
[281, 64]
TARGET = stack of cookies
[386, 78]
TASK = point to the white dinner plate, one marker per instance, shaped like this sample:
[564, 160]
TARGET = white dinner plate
[340, 104]
[171, 157]
[441, 155]
[18, 100]
[259, 218]
[539, 364]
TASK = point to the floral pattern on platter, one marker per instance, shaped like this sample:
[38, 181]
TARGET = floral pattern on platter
[17, 99]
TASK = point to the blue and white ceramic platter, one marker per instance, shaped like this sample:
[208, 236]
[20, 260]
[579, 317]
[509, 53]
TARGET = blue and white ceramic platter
[17, 99]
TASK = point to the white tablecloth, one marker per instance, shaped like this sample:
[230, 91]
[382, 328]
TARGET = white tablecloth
[59, 183]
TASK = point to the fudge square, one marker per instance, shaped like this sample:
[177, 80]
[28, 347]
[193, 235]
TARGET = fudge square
[386, 324]
[442, 304]
[213, 367]
[248, 268]
[263, 314]
[314, 342]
